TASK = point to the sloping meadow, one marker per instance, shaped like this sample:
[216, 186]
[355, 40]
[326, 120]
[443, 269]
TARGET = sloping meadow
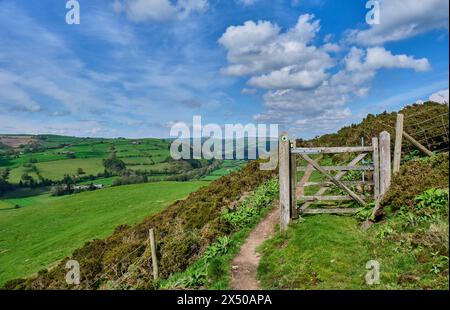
[183, 231]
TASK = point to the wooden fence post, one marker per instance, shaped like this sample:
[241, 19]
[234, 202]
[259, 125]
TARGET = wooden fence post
[154, 258]
[398, 143]
[376, 169]
[385, 162]
[284, 172]
[417, 144]
[293, 182]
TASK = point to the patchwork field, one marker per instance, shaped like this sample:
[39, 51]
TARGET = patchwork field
[55, 170]
[48, 228]
[55, 156]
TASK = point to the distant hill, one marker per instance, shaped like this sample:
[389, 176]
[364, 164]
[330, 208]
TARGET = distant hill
[17, 141]
[425, 122]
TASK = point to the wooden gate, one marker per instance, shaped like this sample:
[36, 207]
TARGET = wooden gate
[290, 187]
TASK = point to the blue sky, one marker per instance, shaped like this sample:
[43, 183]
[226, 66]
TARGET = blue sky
[132, 68]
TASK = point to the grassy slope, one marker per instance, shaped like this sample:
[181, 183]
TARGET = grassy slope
[38, 235]
[330, 252]
[323, 252]
[183, 231]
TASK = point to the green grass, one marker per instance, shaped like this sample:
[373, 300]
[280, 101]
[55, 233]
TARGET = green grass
[31, 200]
[104, 181]
[330, 252]
[39, 235]
[55, 170]
[322, 252]
[226, 167]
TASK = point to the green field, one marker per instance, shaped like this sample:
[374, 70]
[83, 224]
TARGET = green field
[50, 228]
[53, 158]
[227, 167]
[55, 170]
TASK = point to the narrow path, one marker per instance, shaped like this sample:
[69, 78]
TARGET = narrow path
[244, 265]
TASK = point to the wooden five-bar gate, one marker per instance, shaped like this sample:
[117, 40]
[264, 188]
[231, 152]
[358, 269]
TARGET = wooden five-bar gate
[290, 187]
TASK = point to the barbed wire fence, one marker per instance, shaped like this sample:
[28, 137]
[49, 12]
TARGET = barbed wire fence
[430, 128]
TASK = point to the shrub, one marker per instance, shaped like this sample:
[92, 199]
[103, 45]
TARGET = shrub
[415, 177]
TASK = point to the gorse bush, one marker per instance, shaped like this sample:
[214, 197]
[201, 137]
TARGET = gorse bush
[415, 177]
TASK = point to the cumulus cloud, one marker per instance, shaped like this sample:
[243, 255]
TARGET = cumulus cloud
[378, 58]
[276, 59]
[440, 96]
[402, 19]
[289, 77]
[158, 10]
[305, 84]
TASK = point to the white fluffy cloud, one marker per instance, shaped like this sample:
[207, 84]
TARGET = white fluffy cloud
[402, 19]
[440, 96]
[378, 58]
[289, 77]
[276, 59]
[158, 10]
[306, 83]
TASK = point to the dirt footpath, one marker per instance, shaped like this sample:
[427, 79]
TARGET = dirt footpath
[244, 265]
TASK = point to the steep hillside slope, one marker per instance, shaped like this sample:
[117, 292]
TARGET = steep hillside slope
[183, 231]
[428, 119]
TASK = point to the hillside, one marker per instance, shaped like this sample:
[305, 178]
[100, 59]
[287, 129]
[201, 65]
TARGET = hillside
[426, 122]
[46, 229]
[198, 237]
[184, 230]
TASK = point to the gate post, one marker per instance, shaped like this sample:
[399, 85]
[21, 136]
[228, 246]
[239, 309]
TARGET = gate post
[376, 168]
[385, 162]
[284, 180]
[398, 143]
[293, 181]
